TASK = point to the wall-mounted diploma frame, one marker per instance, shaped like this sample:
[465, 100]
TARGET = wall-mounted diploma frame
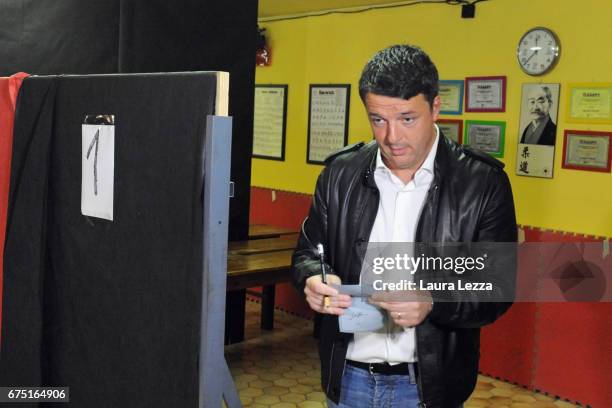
[589, 103]
[270, 122]
[452, 129]
[485, 94]
[328, 116]
[451, 97]
[485, 135]
[586, 150]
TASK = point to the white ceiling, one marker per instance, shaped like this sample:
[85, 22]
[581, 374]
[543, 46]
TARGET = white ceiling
[270, 8]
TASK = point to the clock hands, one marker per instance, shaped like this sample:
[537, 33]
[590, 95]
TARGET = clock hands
[530, 57]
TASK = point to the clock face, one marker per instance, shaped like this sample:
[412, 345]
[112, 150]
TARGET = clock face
[538, 51]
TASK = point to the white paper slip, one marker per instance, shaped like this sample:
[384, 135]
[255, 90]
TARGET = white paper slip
[98, 170]
[361, 316]
[351, 290]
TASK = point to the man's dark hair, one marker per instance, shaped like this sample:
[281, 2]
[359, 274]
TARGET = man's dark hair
[400, 71]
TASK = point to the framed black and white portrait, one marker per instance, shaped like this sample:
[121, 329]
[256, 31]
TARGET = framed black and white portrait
[537, 130]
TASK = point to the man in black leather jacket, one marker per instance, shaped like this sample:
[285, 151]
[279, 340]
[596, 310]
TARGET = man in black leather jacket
[467, 198]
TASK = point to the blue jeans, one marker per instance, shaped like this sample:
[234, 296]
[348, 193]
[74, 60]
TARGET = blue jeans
[360, 389]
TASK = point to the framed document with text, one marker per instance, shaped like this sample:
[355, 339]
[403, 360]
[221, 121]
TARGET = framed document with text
[485, 135]
[270, 122]
[452, 129]
[586, 150]
[589, 103]
[328, 115]
[451, 97]
[485, 94]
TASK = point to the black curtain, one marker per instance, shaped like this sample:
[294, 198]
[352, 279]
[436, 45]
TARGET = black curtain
[115, 36]
[59, 37]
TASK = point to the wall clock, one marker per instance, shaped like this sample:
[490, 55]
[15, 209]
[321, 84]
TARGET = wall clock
[538, 51]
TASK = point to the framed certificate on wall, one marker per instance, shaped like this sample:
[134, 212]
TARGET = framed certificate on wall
[586, 150]
[589, 103]
[328, 116]
[485, 94]
[487, 136]
[451, 97]
[452, 129]
[270, 122]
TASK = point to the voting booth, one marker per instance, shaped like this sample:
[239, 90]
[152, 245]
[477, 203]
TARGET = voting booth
[115, 257]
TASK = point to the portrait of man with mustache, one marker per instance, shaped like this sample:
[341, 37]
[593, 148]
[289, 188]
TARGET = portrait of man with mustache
[541, 129]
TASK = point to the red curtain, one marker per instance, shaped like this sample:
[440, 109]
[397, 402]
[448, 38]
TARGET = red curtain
[9, 89]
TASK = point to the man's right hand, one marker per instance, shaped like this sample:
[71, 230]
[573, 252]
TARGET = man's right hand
[316, 291]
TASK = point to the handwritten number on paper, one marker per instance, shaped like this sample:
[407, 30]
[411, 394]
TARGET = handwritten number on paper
[95, 141]
[97, 170]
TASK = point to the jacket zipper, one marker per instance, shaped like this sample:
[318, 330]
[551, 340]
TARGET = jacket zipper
[331, 358]
[429, 204]
[360, 239]
[421, 403]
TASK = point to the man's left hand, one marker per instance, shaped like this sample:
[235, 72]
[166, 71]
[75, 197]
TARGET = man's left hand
[405, 314]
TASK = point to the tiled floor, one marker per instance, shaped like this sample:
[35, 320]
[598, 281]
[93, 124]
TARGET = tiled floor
[280, 369]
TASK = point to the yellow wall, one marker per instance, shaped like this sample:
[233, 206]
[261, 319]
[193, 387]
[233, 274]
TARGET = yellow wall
[333, 49]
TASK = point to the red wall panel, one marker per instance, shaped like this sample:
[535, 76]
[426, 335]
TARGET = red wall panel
[507, 346]
[288, 210]
[573, 340]
[574, 352]
[279, 208]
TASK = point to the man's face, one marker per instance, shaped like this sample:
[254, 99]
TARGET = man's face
[404, 129]
[538, 105]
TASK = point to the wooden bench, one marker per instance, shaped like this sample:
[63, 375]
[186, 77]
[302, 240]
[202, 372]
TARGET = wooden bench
[248, 265]
[256, 246]
[260, 231]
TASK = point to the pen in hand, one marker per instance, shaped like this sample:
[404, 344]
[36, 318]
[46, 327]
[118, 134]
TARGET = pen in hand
[321, 252]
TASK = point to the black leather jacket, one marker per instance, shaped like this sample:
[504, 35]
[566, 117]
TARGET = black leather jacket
[469, 200]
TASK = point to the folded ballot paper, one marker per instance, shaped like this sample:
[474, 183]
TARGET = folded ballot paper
[361, 316]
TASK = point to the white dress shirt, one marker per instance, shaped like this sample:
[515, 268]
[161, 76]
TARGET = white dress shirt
[398, 213]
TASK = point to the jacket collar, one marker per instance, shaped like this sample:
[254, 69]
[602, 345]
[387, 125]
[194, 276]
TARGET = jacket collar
[443, 156]
[370, 167]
